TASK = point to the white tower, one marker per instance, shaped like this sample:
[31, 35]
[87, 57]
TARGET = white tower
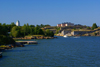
[17, 23]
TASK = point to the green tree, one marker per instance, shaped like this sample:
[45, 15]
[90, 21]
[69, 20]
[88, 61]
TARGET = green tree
[13, 24]
[36, 30]
[32, 30]
[47, 25]
[80, 27]
[42, 25]
[27, 24]
[4, 37]
[74, 28]
[88, 28]
[10, 26]
[3, 30]
[94, 26]
[15, 32]
[6, 40]
[40, 32]
[32, 26]
[49, 33]
[25, 29]
[57, 29]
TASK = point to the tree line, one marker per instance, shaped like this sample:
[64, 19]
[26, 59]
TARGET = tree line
[4, 36]
[21, 31]
[26, 29]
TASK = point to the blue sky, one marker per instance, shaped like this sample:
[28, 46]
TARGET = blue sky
[85, 12]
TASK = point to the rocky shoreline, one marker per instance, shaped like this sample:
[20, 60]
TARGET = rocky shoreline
[10, 46]
[6, 47]
[0, 54]
[36, 37]
[21, 44]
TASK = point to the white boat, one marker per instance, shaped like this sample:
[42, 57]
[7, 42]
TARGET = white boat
[65, 36]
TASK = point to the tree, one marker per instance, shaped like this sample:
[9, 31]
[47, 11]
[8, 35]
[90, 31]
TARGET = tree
[25, 29]
[41, 25]
[40, 32]
[36, 30]
[13, 24]
[4, 38]
[47, 25]
[3, 30]
[32, 30]
[15, 32]
[94, 26]
[57, 29]
[32, 26]
[27, 24]
[49, 33]
[88, 28]
[80, 27]
[0, 23]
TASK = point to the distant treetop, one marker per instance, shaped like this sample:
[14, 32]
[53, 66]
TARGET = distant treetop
[94, 26]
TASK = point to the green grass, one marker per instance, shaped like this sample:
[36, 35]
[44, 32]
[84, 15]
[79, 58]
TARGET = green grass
[80, 30]
[2, 46]
[19, 41]
[15, 39]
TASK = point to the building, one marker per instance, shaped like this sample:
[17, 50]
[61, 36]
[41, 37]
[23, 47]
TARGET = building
[17, 23]
[58, 25]
[65, 24]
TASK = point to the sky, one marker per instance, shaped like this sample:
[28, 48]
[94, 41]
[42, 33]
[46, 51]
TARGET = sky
[52, 12]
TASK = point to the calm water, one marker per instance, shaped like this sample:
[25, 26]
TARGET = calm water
[62, 52]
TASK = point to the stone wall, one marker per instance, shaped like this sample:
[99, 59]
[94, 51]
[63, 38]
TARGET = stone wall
[80, 32]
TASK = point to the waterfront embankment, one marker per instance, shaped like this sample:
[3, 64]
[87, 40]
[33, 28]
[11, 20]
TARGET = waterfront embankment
[27, 42]
[35, 37]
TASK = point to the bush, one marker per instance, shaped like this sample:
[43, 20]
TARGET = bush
[6, 40]
[94, 26]
[49, 33]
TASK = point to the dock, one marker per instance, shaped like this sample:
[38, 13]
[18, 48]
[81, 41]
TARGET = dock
[0, 54]
[27, 42]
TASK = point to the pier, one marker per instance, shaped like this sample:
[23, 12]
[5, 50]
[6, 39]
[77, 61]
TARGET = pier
[27, 42]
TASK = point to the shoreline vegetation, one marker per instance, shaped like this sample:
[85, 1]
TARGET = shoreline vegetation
[10, 33]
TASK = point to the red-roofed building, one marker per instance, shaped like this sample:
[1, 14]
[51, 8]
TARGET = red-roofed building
[65, 24]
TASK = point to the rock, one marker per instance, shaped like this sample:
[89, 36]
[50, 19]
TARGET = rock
[19, 45]
[0, 54]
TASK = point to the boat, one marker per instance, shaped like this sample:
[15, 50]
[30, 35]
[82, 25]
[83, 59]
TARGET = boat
[65, 36]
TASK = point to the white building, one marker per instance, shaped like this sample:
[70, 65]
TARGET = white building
[17, 23]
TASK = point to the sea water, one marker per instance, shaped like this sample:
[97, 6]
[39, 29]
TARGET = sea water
[61, 52]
